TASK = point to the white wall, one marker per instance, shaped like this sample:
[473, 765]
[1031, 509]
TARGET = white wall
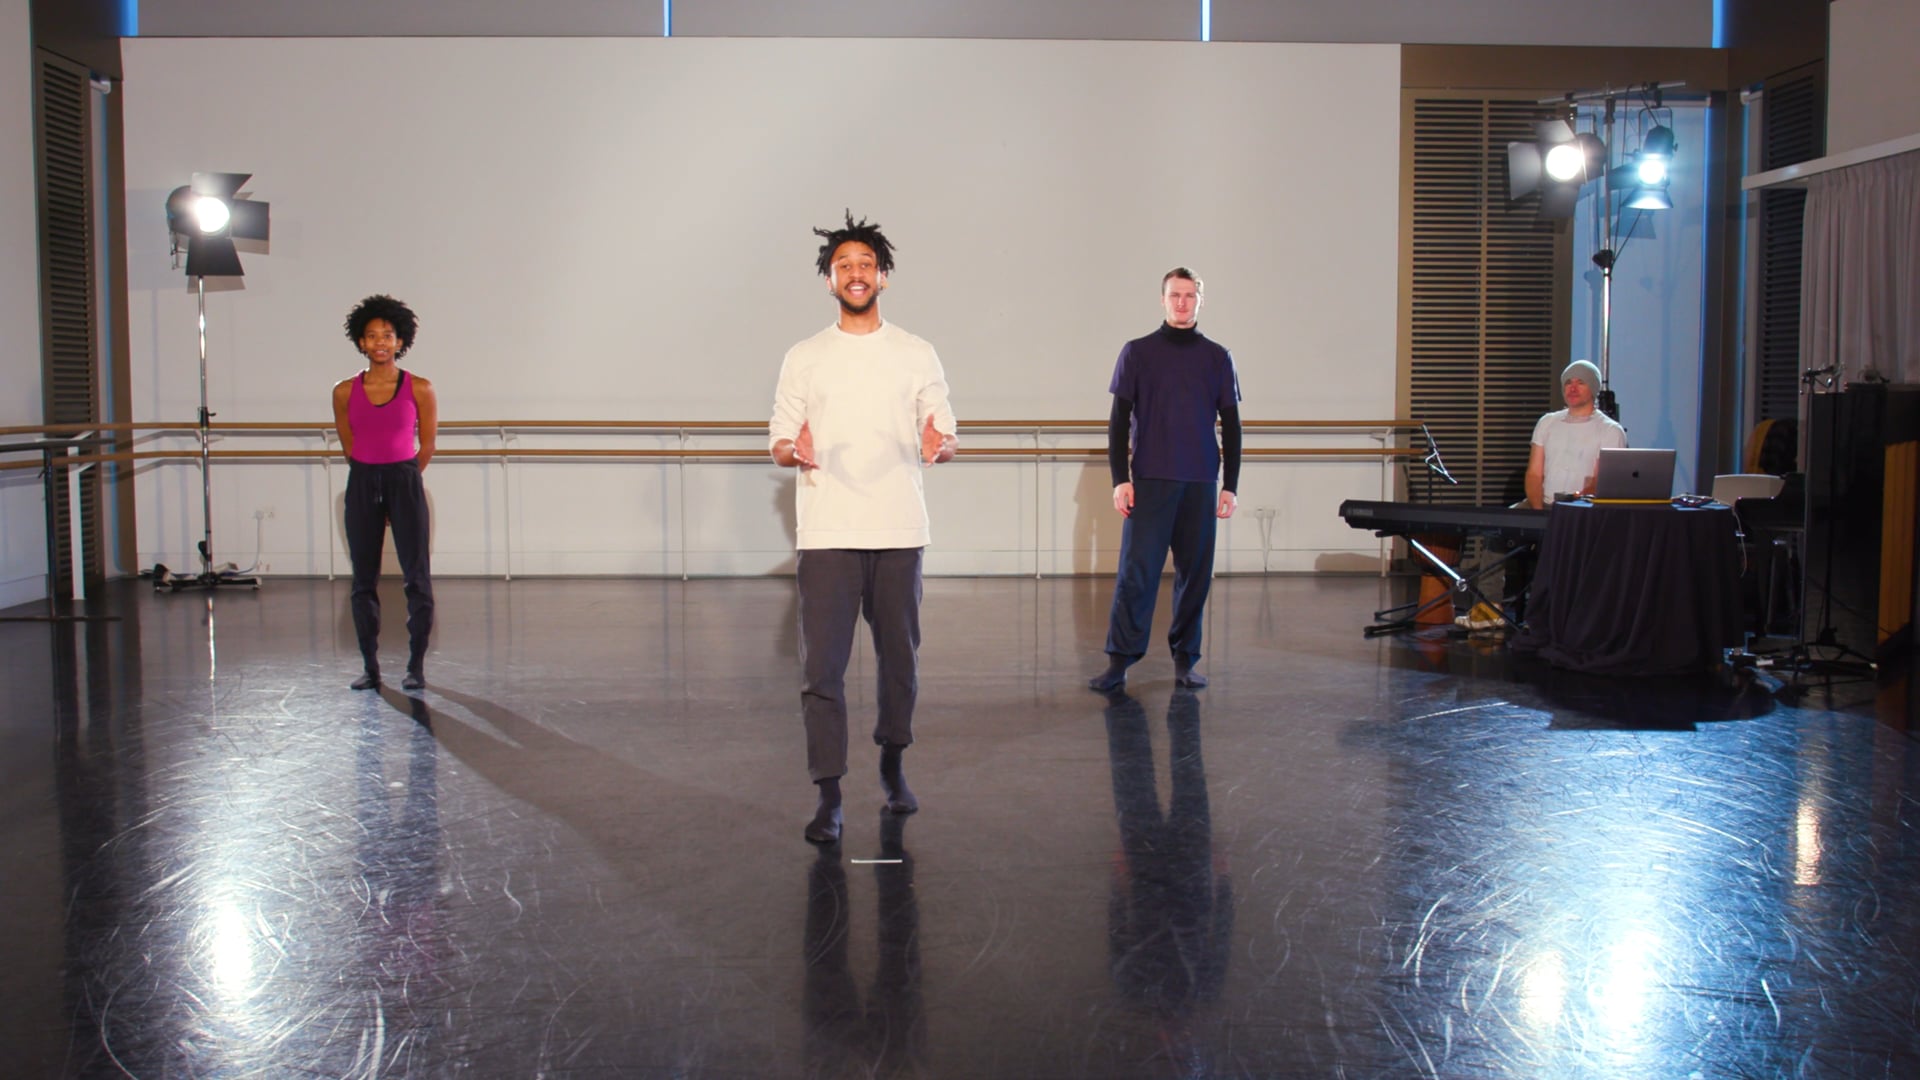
[1651, 23]
[1873, 83]
[23, 549]
[620, 229]
[1657, 23]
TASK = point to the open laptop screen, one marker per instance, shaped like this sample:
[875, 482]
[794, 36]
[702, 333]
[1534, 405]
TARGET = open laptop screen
[1634, 474]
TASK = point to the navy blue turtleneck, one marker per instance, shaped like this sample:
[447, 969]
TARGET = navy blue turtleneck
[1167, 389]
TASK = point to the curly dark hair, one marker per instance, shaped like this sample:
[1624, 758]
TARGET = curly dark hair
[382, 306]
[862, 232]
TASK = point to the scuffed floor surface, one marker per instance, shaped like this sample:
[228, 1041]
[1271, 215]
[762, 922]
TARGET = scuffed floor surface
[578, 852]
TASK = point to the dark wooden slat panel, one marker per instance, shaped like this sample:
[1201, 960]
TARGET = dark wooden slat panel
[69, 344]
[1482, 296]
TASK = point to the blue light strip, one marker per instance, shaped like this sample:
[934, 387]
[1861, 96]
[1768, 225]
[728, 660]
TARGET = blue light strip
[666, 18]
[129, 18]
[1206, 20]
[1742, 376]
[1719, 24]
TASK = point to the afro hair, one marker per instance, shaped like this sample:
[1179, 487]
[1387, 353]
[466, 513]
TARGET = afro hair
[382, 306]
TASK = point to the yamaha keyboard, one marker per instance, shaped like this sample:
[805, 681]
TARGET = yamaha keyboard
[1409, 519]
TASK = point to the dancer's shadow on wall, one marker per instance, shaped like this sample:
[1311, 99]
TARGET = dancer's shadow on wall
[787, 641]
[1096, 551]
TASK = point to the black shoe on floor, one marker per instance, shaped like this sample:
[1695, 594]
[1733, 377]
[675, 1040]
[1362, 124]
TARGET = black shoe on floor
[367, 681]
[1189, 679]
[414, 681]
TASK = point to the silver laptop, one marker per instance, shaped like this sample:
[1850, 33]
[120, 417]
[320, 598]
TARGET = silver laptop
[1634, 474]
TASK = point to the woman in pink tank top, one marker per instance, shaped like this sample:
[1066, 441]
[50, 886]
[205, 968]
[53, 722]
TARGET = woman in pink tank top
[387, 419]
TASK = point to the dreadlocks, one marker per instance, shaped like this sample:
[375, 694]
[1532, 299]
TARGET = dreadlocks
[382, 306]
[862, 232]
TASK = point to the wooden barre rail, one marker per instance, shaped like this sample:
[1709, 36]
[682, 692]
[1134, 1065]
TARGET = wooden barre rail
[49, 457]
[264, 427]
[333, 454]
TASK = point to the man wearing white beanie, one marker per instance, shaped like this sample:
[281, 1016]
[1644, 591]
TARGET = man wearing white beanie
[1567, 443]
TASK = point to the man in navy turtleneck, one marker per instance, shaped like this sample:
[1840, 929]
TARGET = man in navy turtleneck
[1168, 387]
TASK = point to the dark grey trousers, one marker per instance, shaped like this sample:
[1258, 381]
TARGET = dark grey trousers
[837, 587]
[379, 495]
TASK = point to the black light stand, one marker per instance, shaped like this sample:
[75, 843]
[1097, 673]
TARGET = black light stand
[210, 232]
[1844, 664]
[1604, 259]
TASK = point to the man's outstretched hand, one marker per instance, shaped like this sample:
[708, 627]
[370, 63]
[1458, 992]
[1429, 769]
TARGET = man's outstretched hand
[935, 447]
[797, 451]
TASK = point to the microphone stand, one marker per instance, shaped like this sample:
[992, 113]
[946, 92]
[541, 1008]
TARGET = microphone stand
[1406, 616]
[1435, 466]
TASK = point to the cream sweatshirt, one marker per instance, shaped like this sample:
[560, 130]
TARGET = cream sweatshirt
[865, 398]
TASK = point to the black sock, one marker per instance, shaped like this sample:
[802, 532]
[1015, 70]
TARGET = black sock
[893, 779]
[1115, 676]
[825, 826]
[1184, 675]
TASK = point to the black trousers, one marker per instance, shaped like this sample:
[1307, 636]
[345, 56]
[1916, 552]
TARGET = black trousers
[838, 586]
[379, 496]
[1176, 514]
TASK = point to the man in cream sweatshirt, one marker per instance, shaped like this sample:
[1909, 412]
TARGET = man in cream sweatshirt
[860, 410]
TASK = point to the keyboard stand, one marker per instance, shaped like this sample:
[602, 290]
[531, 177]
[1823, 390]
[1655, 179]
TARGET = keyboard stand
[1406, 616]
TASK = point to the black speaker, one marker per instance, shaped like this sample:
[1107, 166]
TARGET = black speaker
[1863, 488]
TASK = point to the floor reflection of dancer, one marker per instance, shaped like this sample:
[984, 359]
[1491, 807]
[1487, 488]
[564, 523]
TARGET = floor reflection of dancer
[1170, 917]
[402, 935]
[387, 419]
[861, 408]
[888, 1036]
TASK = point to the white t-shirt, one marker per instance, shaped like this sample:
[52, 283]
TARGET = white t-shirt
[864, 398]
[1573, 446]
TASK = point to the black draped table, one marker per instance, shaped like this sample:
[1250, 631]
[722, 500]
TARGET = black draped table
[1634, 589]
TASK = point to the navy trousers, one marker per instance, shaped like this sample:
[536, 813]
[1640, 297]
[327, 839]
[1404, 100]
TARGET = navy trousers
[379, 496]
[838, 586]
[1176, 514]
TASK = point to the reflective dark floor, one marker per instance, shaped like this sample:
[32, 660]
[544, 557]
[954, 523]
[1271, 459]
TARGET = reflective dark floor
[579, 851]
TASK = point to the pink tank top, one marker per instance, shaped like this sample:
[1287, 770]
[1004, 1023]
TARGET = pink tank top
[383, 434]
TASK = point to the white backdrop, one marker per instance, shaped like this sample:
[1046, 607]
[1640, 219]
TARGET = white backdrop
[619, 229]
[23, 547]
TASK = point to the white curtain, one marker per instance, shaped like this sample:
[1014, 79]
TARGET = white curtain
[1860, 270]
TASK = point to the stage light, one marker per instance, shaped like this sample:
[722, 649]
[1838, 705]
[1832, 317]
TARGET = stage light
[1650, 198]
[210, 215]
[1564, 162]
[1660, 142]
[1557, 164]
[1643, 179]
